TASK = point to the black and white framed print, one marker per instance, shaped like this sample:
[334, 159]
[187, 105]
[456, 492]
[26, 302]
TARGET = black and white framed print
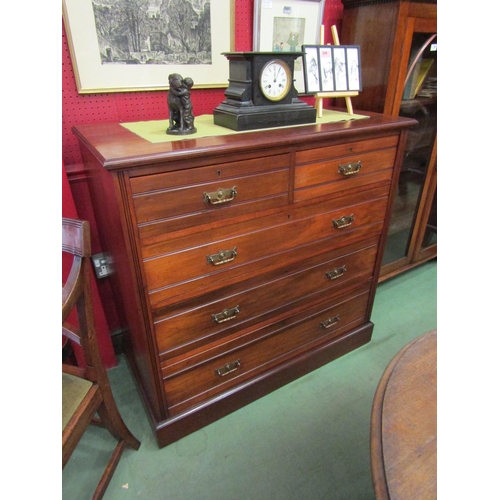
[119, 46]
[326, 68]
[340, 68]
[353, 68]
[311, 69]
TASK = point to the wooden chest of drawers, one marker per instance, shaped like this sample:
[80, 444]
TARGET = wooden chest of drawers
[243, 261]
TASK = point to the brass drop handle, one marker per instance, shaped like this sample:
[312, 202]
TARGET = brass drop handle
[229, 368]
[223, 195]
[328, 323]
[222, 257]
[226, 315]
[336, 273]
[344, 221]
[350, 168]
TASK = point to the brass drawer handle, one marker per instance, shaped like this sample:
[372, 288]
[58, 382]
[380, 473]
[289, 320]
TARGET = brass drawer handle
[220, 196]
[229, 368]
[336, 273]
[226, 315]
[344, 221]
[222, 257]
[328, 323]
[350, 169]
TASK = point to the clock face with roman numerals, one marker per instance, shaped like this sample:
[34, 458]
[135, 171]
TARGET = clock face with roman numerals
[275, 80]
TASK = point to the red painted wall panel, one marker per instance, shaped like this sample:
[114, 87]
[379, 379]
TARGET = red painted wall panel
[107, 354]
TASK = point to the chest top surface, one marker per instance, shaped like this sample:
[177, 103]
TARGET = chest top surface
[117, 148]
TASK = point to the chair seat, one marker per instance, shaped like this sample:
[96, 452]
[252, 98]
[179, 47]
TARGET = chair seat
[74, 390]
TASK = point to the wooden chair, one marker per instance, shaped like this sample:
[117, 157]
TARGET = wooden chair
[86, 391]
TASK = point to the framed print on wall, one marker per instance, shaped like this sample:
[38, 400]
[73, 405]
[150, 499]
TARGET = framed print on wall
[286, 25]
[121, 46]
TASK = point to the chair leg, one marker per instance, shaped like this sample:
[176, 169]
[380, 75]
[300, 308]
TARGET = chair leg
[111, 419]
[110, 469]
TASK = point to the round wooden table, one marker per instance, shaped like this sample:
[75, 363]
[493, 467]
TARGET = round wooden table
[403, 424]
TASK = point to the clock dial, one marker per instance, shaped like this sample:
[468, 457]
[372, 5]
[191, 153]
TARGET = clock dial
[275, 80]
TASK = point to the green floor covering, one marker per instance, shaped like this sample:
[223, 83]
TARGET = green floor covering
[307, 440]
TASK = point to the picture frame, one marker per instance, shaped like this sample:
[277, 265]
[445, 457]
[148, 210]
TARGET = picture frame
[332, 68]
[340, 68]
[286, 25]
[106, 57]
[353, 67]
[325, 57]
[312, 79]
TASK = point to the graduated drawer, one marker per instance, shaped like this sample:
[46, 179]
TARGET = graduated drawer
[333, 175]
[174, 200]
[227, 259]
[196, 322]
[207, 373]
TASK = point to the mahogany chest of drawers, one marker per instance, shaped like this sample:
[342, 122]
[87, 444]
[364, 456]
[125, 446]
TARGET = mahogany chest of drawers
[241, 261]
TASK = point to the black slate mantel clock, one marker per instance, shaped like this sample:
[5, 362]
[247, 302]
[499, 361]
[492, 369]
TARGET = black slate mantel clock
[261, 92]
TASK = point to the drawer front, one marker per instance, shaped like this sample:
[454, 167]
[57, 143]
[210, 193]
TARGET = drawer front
[349, 148]
[168, 296]
[193, 380]
[339, 174]
[236, 256]
[175, 200]
[222, 313]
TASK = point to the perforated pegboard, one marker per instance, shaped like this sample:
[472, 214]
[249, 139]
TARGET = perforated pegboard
[136, 106]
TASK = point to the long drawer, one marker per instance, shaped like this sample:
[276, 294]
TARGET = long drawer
[209, 372]
[229, 258]
[196, 322]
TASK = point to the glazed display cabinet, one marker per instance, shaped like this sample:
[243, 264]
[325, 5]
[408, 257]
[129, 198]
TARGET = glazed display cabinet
[398, 43]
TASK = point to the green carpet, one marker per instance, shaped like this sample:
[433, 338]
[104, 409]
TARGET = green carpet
[307, 440]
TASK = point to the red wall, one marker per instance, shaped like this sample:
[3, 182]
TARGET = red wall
[137, 106]
[102, 329]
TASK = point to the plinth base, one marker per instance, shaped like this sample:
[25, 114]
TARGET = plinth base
[252, 118]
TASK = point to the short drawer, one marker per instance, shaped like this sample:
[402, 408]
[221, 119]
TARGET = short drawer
[334, 175]
[346, 149]
[174, 200]
[208, 373]
[196, 322]
[245, 253]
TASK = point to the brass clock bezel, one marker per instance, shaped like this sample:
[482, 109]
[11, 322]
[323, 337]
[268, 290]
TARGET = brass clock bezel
[288, 72]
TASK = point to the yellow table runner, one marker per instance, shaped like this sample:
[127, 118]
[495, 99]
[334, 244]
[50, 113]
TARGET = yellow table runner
[155, 130]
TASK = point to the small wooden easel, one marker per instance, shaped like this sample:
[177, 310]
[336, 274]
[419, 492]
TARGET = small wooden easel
[322, 95]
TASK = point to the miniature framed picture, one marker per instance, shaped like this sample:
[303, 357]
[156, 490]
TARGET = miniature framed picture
[119, 46]
[347, 67]
[353, 67]
[286, 25]
[312, 78]
[326, 68]
[340, 68]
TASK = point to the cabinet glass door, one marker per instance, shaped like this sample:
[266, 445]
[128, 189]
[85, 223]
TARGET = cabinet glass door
[419, 101]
